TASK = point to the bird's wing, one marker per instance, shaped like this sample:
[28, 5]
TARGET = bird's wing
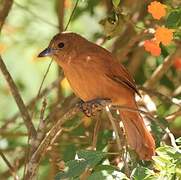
[125, 82]
[120, 74]
[112, 69]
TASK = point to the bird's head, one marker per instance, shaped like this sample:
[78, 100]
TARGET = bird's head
[64, 46]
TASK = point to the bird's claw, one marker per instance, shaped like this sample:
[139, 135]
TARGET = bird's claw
[90, 108]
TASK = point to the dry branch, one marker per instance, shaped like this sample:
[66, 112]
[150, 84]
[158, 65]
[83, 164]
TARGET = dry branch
[4, 11]
[11, 168]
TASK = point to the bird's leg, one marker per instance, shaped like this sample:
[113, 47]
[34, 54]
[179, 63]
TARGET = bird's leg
[90, 108]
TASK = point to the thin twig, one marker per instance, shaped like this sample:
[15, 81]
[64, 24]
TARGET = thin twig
[50, 138]
[12, 170]
[43, 80]
[76, 4]
[96, 130]
[72, 128]
[41, 126]
[33, 142]
[18, 164]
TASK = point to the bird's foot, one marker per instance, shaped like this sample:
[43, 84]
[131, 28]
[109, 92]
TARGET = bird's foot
[90, 108]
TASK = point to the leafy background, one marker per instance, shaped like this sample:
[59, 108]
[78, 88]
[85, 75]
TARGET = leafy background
[28, 29]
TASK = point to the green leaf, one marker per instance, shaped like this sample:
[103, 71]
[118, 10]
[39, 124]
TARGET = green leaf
[168, 152]
[116, 3]
[86, 159]
[142, 173]
[160, 162]
[174, 19]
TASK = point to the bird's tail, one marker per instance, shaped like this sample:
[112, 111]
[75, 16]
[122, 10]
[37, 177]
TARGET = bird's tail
[138, 137]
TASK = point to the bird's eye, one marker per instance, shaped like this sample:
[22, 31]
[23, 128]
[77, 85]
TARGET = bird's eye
[61, 45]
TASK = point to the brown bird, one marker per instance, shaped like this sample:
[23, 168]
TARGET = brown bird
[94, 73]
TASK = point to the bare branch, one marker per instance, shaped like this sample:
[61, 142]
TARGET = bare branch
[96, 130]
[50, 138]
[4, 11]
[12, 170]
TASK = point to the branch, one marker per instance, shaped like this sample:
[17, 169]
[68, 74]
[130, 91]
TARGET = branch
[96, 130]
[19, 101]
[12, 170]
[50, 138]
[61, 14]
[4, 11]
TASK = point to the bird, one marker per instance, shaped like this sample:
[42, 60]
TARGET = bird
[94, 73]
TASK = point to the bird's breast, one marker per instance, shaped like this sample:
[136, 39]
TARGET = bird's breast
[90, 82]
[85, 82]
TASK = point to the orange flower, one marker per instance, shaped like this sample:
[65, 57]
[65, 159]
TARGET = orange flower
[164, 35]
[152, 47]
[157, 10]
[177, 63]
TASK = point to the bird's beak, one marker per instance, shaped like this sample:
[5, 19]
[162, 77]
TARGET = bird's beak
[46, 52]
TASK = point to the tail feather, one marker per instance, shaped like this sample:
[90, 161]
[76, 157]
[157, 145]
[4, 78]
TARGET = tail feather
[138, 137]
